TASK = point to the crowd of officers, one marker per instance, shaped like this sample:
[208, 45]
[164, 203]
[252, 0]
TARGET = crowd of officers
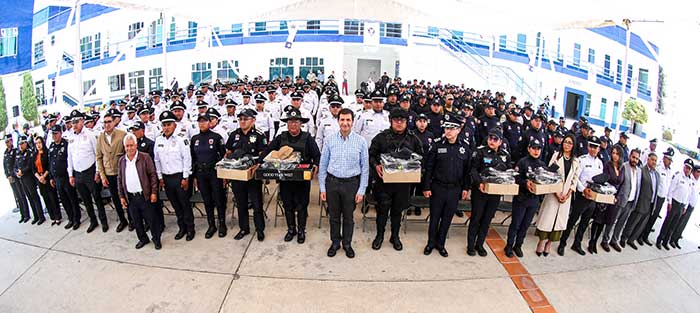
[459, 132]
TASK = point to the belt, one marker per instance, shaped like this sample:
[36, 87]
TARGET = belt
[446, 184]
[343, 180]
[205, 166]
[134, 194]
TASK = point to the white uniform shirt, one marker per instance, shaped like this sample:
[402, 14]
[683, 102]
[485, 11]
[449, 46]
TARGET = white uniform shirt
[664, 180]
[229, 122]
[186, 129]
[308, 127]
[693, 197]
[310, 102]
[371, 123]
[133, 184]
[82, 149]
[327, 126]
[265, 123]
[274, 108]
[680, 188]
[590, 167]
[221, 131]
[172, 156]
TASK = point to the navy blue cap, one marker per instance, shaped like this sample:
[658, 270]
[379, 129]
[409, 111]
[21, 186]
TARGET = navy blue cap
[75, 115]
[248, 113]
[201, 104]
[56, 128]
[297, 95]
[137, 125]
[535, 143]
[335, 100]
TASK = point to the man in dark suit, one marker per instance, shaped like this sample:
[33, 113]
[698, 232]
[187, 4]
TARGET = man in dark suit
[648, 191]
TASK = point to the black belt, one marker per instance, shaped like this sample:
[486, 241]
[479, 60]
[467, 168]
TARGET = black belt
[343, 180]
[446, 184]
[172, 175]
[134, 194]
[205, 166]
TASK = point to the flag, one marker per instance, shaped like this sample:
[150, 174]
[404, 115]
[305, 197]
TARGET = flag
[291, 36]
[371, 36]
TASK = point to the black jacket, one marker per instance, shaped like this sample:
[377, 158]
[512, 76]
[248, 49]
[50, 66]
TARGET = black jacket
[389, 141]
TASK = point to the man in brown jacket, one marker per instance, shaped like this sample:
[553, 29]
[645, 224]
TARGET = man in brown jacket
[109, 149]
[138, 189]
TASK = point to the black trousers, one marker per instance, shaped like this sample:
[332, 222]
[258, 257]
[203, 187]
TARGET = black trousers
[50, 197]
[69, 198]
[392, 199]
[20, 197]
[295, 200]
[652, 218]
[246, 193]
[89, 191]
[484, 207]
[581, 209]
[671, 222]
[142, 209]
[682, 223]
[29, 186]
[180, 200]
[212, 190]
[340, 195]
[443, 205]
[636, 224]
[114, 192]
[524, 210]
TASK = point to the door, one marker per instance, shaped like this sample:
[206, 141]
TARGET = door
[572, 102]
[368, 68]
[616, 107]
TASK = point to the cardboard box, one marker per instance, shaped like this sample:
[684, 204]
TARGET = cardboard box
[402, 177]
[501, 189]
[242, 175]
[602, 198]
[301, 173]
[549, 188]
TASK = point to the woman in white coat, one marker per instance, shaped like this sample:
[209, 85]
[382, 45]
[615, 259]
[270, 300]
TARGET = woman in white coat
[554, 211]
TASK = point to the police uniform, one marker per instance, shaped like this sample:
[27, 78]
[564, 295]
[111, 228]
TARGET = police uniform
[183, 127]
[263, 120]
[685, 216]
[207, 149]
[484, 205]
[17, 189]
[530, 135]
[392, 198]
[307, 127]
[23, 162]
[58, 169]
[295, 194]
[310, 102]
[328, 124]
[173, 165]
[513, 134]
[485, 126]
[679, 192]
[446, 177]
[229, 122]
[239, 144]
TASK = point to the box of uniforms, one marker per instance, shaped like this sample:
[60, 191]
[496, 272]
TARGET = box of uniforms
[602, 198]
[601, 190]
[284, 164]
[401, 167]
[241, 169]
[412, 176]
[546, 180]
[498, 182]
[501, 189]
[547, 188]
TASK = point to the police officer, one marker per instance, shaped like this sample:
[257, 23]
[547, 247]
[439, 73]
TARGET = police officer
[582, 139]
[405, 104]
[555, 146]
[487, 123]
[248, 141]
[207, 149]
[17, 189]
[229, 121]
[173, 165]
[328, 123]
[604, 154]
[562, 125]
[535, 131]
[215, 123]
[263, 120]
[484, 206]
[58, 169]
[526, 203]
[392, 198]
[372, 122]
[202, 108]
[446, 181]
[623, 144]
[297, 104]
[295, 194]
[23, 170]
[513, 133]
[435, 119]
[678, 197]
[183, 127]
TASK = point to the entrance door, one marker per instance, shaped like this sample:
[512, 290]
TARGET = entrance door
[572, 102]
[368, 68]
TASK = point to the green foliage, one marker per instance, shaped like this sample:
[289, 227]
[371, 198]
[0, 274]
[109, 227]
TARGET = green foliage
[29, 102]
[667, 135]
[3, 107]
[635, 112]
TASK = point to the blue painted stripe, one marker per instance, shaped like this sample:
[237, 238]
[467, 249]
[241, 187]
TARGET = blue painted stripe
[87, 11]
[618, 34]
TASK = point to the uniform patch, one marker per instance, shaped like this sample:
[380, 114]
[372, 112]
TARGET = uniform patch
[253, 139]
[186, 142]
[211, 141]
[196, 143]
[462, 150]
[442, 150]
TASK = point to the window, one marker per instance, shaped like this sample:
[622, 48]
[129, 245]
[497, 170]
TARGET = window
[643, 78]
[433, 31]
[522, 43]
[134, 29]
[191, 29]
[354, 27]
[281, 67]
[39, 91]
[603, 105]
[117, 82]
[260, 26]
[618, 73]
[606, 66]
[502, 42]
[38, 52]
[86, 47]
[8, 42]
[225, 70]
[559, 57]
[629, 75]
[390, 30]
[312, 25]
[577, 55]
[173, 29]
[86, 88]
[591, 56]
[587, 106]
[310, 65]
[237, 28]
[137, 84]
[155, 79]
[201, 72]
[283, 25]
[155, 33]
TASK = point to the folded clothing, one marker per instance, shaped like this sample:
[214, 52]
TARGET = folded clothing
[494, 176]
[400, 161]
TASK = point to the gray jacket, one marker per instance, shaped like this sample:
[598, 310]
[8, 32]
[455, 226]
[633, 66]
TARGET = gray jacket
[647, 198]
[625, 188]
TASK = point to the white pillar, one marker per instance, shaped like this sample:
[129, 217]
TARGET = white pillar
[621, 107]
[78, 59]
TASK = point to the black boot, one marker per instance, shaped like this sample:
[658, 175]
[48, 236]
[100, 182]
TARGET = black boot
[290, 234]
[301, 236]
[210, 231]
[396, 242]
[377, 242]
[222, 229]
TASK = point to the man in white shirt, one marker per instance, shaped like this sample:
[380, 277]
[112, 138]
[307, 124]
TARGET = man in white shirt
[692, 203]
[678, 198]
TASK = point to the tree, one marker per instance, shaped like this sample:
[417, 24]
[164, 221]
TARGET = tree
[29, 102]
[635, 112]
[3, 108]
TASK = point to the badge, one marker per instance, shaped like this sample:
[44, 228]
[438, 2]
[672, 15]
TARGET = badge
[462, 150]
[143, 144]
[253, 139]
[211, 141]
[238, 137]
[196, 143]
[186, 142]
[503, 158]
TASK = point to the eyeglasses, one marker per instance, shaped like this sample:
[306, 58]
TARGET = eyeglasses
[568, 142]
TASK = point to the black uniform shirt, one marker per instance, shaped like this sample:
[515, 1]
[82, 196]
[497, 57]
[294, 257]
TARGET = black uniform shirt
[447, 164]
[58, 159]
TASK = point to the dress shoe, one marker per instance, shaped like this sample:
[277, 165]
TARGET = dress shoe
[538, 253]
[24, 220]
[91, 227]
[349, 252]
[121, 226]
[471, 252]
[509, 251]
[333, 250]
[640, 242]
[481, 251]
[377, 242]
[459, 214]
[428, 250]
[545, 254]
[210, 232]
[261, 235]
[181, 233]
[140, 244]
[605, 246]
[615, 246]
[578, 249]
[223, 230]
[34, 222]
[443, 252]
[53, 223]
[290, 235]
[41, 221]
[76, 226]
[105, 227]
[665, 245]
[68, 226]
[592, 249]
[301, 237]
[157, 244]
[678, 245]
[396, 243]
[658, 245]
[58, 222]
[418, 212]
[190, 236]
[21, 220]
[518, 251]
[632, 245]
[241, 234]
[647, 241]
[561, 250]
[622, 244]
[672, 244]
[131, 226]
[409, 212]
